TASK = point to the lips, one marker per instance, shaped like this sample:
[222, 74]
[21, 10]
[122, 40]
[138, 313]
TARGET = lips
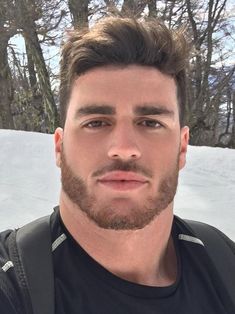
[122, 176]
[122, 180]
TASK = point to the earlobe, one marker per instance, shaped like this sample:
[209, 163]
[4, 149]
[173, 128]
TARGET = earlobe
[184, 135]
[58, 140]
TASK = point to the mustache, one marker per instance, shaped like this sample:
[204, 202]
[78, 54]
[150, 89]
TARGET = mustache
[120, 165]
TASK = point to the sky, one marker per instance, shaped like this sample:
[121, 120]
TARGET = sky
[30, 182]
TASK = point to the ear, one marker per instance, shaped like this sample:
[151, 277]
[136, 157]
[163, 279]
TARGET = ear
[184, 139]
[58, 140]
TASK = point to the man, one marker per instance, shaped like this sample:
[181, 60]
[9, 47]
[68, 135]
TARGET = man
[117, 247]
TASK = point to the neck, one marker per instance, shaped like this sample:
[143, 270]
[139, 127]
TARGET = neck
[154, 261]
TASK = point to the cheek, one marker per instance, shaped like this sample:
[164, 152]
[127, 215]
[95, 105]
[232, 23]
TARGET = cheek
[84, 154]
[162, 153]
[163, 145]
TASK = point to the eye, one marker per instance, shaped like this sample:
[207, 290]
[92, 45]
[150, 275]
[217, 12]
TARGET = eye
[95, 124]
[150, 123]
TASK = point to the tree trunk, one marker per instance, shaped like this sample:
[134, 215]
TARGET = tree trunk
[152, 6]
[31, 69]
[232, 141]
[133, 7]
[204, 105]
[26, 10]
[79, 12]
[6, 89]
[50, 110]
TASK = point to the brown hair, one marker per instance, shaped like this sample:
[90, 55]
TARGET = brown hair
[124, 41]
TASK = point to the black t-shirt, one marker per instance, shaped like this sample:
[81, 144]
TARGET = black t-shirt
[83, 286]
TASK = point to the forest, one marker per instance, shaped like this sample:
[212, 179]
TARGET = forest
[31, 33]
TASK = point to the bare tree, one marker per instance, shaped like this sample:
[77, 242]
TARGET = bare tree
[205, 94]
[79, 12]
[26, 87]
[232, 140]
[27, 14]
[133, 7]
[7, 30]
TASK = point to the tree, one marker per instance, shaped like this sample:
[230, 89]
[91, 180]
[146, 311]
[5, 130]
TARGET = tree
[206, 90]
[26, 15]
[26, 87]
[79, 12]
[7, 30]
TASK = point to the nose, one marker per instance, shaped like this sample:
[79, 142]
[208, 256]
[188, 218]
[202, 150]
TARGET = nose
[123, 144]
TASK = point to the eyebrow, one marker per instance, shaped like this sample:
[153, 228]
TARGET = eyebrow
[151, 110]
[95, 109]
[143, 110]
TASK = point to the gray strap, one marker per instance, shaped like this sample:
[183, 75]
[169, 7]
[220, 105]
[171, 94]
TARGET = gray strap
[35, 252]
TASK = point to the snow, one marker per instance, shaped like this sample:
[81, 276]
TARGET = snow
[30, 182]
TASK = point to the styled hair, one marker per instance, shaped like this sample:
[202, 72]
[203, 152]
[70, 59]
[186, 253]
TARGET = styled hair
[122, 42]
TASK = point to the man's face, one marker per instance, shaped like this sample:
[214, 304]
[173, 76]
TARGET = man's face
[122, 147]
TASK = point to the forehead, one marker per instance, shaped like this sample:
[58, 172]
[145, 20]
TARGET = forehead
[124, 88]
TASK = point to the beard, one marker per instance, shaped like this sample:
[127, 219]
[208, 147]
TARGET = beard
[105, 213]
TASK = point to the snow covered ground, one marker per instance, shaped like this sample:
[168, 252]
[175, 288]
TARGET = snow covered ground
[30, 182]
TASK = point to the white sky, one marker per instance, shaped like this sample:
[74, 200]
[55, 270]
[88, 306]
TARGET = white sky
[30, 182]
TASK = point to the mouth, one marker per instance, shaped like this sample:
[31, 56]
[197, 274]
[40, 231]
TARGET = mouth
[122, 180]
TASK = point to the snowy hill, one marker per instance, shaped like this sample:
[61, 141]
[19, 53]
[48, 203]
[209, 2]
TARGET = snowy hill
[30, 182]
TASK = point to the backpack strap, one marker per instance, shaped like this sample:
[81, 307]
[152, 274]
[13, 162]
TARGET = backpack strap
[34, 267]
[32, 257]
[221, 251]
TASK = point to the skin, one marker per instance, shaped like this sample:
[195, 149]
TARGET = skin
[150, 144]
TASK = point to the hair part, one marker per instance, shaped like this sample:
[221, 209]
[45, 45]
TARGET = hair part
[122, 42]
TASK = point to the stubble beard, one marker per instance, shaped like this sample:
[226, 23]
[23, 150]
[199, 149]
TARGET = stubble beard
[106, 216]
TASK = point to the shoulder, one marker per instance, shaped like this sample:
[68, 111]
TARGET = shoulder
[9, 302]
[9, 295]
[205, 232]
[218, 247]
[220, 251]
[4, 249]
